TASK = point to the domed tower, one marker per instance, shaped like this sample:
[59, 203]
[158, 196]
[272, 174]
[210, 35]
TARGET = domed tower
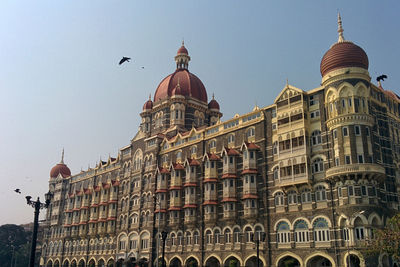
[345, 77]
[180, 101]
[145, 125]
[58, 185]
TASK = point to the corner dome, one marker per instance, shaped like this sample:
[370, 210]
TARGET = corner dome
[342, 55]
[148, 105]
[213, 104]
[182, 50]
[60, 168]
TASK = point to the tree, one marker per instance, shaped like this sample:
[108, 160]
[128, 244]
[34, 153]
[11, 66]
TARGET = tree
[387, 240]
[14, 244]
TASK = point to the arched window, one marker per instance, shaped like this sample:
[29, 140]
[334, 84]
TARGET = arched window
[258, 232]
[216, 236]
[301, 232]
[283, 233]
[208, 237]
[316, 137]
[179, 155]
[318, 165]
[292, 197]
[180, 239]
[279, 199]
[276, 173]
[249, 234]
[321, 230]
[320, 193]
[188, 238]
[213, 144]
[236, 235]
[275, 147]
[173, 239]
[227, 235]
[196, 238]
[193, 150]
[306, 195]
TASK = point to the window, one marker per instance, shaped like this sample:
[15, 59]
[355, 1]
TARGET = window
[306, 195]
[350, 189]
[337, 161]
[301, 232]
[363, 190]
[347, 159]
[321, 230]
[276, 173]
[360, 158]
[292, 197]
[196, 238]
[314, 114]
[283, 233]
[345, 131]
[313, 100]
[279, 199]
[212, 144]
[320, 193]
[335, 134]
[231, 138]
[275, 148]
[227, 236]
[236, 235]
[340, 192]
[318, 165]
[349, 102]
[367, 131]
[250, 132]
[208, 237]
[359, 232]
[316, 138]
[193, 150]
[357, 129]
[273, 113]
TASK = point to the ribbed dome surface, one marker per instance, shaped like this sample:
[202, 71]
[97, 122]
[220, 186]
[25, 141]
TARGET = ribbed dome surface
[60, 168]
[213, 104]
[148, 105]
[189, 85]
[341, 55]
[182, 50]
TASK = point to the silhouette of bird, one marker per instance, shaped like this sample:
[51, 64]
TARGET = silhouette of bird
[124, 59]
[142, 67]
[381, 78]
[17, 191]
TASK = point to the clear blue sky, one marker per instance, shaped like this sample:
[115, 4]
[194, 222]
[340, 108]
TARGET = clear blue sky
[61, 86]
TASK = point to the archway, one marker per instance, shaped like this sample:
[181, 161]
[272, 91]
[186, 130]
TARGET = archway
[92, 263]
[192, 262]
[288, 261]
[232, 262]
[385, 261]
[49, 264]
[120, 262]
[56, 264]
[160, 264]
[101, 263]
[73, 264]
[176, 263]
[319, 261]
[252, 262]
[143, 262]
[66, 263]
[110, 263]
[352, 261]
[211, 262]
[81, 263]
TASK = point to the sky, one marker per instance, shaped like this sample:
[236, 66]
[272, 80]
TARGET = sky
[61, 85]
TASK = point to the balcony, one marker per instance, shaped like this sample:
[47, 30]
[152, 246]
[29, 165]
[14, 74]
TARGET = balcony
[370, 170]
[292, 180]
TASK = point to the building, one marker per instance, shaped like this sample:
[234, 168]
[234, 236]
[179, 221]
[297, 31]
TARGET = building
[316, 171]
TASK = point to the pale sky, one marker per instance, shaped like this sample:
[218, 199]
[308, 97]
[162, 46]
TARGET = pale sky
[61, 85]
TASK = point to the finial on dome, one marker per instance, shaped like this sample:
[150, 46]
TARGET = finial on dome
[62, 157]
[150, 96]
[213, 96]
[340, 29]
[183, 42]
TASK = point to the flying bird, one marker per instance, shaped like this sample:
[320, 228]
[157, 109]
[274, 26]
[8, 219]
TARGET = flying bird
[381, 78]
[142, 67]
[17, 191]
[124, 59]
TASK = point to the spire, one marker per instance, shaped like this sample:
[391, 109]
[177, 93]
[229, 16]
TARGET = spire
[340, 29]
[213, 96]
[150, 96]
[62, 157]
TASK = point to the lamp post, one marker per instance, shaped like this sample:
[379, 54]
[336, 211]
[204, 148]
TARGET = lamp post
[164, 238]
[37, 205]
[260, 236]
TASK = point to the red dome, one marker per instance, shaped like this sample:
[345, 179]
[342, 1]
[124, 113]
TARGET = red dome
[60, 168]
[341, 55]
[213, 104]
[148, 105]
[189, 85]
[182, 50]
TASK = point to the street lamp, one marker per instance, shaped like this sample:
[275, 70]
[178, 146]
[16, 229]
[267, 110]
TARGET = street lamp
[164, 235]
[260, 236]
[37, 205]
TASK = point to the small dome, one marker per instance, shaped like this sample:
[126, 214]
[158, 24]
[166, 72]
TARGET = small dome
[341, 55]
[189, 85]
[60, 168]
[213, 104]
[148, 105]
[182, 50]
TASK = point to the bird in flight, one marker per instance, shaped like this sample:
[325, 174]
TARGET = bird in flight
[381, 78]
[124, 59]
[17, 191]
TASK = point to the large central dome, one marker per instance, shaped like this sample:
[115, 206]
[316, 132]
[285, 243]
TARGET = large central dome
[181, 82]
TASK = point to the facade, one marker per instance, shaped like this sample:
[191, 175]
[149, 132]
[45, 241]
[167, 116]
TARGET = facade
[316, 170]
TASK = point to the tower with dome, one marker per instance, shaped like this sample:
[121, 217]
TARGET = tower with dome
[307, 179]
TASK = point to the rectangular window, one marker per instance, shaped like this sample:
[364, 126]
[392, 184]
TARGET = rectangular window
[349, 102]
[348, 159]
[345, 131]
[357, 129]
[360, 158]
[340, 192]
[335, 134]
[337, 162]
[351, 190]
[367, 131]
[363, 190]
